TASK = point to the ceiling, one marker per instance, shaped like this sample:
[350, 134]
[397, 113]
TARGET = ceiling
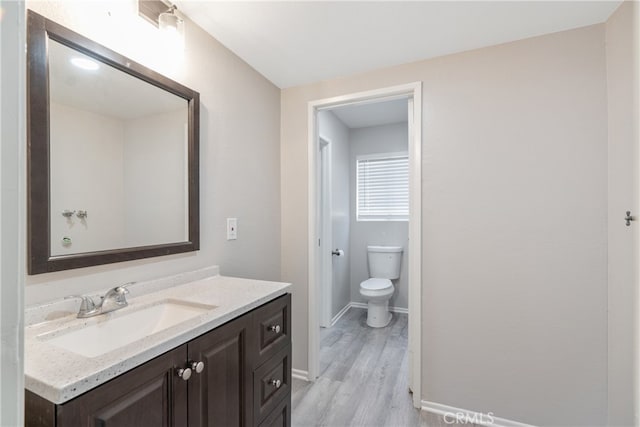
[299, 42]
[356, 116]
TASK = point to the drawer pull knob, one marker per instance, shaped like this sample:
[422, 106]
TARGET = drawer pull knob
[275, 328]
[185, 373]
[197, 366]
[275, 383]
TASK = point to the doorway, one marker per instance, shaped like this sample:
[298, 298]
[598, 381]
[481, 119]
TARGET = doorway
[319, 218]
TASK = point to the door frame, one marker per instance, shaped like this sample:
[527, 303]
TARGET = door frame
[410, 91]
[325, 271]
[13, 213]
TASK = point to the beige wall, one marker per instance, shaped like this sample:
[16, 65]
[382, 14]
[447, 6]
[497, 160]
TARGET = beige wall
[623, 116]
[239, 150]
[514, 224]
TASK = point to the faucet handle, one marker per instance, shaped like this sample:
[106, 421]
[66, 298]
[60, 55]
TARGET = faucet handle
[121, 291]
[118, 294]
[123, 288]
[87, 306]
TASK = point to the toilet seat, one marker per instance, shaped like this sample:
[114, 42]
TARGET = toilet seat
[377, 292]
[375, 284]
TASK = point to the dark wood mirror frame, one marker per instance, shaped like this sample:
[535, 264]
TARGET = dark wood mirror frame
[40, 259]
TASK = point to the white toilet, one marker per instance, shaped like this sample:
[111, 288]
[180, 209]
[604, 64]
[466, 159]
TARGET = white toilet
[384, 266]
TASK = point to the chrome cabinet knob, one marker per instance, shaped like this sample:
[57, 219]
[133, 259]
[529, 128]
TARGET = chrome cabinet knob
[275, 383]
[184, 373]
[275, 328]
[197, 366]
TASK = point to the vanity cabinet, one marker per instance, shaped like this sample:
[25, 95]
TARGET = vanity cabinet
[245, 380]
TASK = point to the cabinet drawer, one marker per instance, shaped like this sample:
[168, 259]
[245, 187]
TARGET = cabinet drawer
[272, 322]
[280, 417]
[271, 384]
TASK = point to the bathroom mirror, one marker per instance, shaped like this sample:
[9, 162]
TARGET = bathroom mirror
[112, 155]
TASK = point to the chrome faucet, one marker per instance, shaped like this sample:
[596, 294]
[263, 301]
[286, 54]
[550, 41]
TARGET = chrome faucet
[113, 300]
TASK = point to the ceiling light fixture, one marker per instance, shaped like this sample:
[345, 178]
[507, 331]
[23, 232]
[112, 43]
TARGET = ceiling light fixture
[162, 13]
[171, 23]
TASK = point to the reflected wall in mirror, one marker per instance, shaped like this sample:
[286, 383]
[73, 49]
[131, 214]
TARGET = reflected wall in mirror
[113, 159]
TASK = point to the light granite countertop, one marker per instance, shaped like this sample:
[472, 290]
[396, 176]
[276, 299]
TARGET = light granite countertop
[59, 375]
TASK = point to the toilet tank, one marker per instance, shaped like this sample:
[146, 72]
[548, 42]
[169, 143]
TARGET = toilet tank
[384, 261]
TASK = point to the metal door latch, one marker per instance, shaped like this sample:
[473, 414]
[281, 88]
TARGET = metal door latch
[629, 218]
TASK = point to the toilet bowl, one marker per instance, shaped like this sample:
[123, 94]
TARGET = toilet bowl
[377, 292]
[384, 266]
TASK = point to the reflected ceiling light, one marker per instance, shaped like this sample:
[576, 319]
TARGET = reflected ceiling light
[85, 63]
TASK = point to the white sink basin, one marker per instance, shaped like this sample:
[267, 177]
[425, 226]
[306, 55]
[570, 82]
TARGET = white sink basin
[111, 333]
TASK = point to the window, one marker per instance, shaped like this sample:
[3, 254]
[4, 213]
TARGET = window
[382, 187]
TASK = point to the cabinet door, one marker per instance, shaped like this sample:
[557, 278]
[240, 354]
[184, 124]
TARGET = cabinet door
[150, 395]
[221, 394]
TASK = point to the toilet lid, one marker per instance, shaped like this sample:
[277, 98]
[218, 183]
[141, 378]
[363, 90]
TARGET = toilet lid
[376, 284]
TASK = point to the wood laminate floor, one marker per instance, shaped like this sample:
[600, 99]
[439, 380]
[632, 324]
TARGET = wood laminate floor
[363, 378]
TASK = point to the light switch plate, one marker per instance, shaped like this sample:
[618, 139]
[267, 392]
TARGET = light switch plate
[232, 228]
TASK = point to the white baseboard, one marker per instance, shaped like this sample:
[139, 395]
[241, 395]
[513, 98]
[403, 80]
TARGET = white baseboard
[450, 413]
[401, 310]
[300, 374]
[340, 314]
[362, 305]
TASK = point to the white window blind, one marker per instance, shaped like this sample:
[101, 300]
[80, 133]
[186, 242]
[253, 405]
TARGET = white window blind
[383, 187]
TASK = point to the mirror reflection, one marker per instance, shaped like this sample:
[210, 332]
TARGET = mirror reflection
[118, 158]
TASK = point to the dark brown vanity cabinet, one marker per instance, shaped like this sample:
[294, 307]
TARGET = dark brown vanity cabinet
[244, 380]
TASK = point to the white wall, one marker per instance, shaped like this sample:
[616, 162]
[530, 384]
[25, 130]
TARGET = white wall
[155, 173]
[12, 212]
[514, 292]
[337, 133]
[87, 173]
[129, 175]
[622, 91]
[374, 140]
[239, 150]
